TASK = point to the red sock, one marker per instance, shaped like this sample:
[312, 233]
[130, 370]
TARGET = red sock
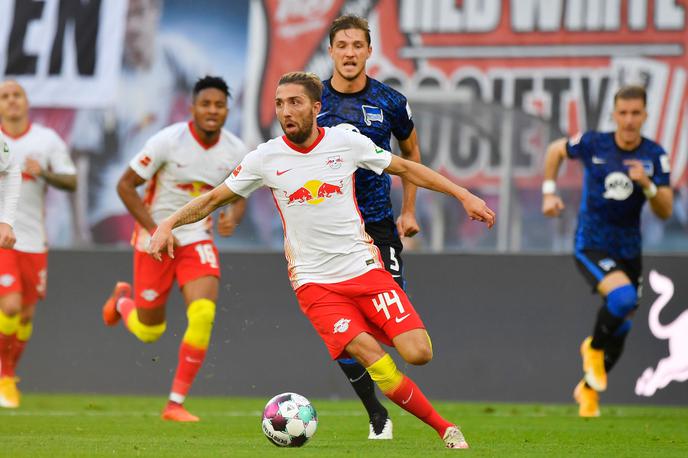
[16, 351]
[6, 361]
[125, 306]
[190, 361]
[410, 398]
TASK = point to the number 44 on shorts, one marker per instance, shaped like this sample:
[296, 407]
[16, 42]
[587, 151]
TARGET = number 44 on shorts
[387, 299]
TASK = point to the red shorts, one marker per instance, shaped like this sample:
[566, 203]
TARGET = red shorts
[372, 303]
[25, 273]
[153, 279]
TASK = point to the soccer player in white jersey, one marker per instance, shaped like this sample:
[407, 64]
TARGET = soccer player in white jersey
[10, 180]
[334, 267]
[44, 161]
[179, 163]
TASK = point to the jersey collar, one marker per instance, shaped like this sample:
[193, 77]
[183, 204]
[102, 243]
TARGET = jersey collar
[321, 134]
[347, 94]
[194, 134]
[16, 137]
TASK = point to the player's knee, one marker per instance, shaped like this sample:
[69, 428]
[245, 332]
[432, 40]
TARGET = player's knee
[201, 316]
[150, 333]
[417, 355]
[622, 300]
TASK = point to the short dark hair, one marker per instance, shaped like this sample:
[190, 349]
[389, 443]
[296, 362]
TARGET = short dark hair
[310, 82]
[207, 82]
[631, 92]
[349, 22]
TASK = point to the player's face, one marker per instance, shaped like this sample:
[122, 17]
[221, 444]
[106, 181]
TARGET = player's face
[209, 110]
[629, 116]
[13, 102]
[141, 29]
[296, 112]
[349, 53]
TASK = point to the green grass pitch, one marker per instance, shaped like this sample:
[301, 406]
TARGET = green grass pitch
[96, 425]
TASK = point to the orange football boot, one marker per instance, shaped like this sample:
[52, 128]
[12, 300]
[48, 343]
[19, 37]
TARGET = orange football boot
[110, 314]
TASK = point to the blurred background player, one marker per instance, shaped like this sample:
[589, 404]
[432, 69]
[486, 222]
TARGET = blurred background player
[44, 160]
[334, 268]
[179, 163]
[377, 111]
[10, 182]
[158, 72]
[623, 169]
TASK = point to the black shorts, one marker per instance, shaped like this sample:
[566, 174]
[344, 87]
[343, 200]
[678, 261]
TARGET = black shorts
[386, 239]
[596, 264]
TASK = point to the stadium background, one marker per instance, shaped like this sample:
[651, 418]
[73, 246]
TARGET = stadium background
[490, 82]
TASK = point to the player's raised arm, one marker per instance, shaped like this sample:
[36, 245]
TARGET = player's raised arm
[195, 210]
[424, 177]
[552, 205]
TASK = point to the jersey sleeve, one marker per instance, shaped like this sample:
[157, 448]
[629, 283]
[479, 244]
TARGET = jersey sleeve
[59, 160]
[579, 146]
[151, 157]
[368, 155]
[403, 119]
[247, 176]
[662, 169]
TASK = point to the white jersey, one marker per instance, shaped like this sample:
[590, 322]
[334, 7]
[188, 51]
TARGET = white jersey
[10, 181]
[179, 167]
[324, 236]
[47, 148]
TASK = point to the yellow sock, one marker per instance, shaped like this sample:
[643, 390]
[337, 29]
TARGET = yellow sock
[8, 324]
[384, 372]
[24, 331]
[201, 316]
[144, 332]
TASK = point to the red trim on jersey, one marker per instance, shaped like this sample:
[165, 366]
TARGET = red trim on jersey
[287, 244]
[321, 135]
[204, 145]
[16, 137]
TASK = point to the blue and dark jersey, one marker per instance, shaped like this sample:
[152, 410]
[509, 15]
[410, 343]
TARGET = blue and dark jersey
[378, 111]
[609, 215]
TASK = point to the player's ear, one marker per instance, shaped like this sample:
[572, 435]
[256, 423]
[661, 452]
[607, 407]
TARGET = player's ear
[317, 106]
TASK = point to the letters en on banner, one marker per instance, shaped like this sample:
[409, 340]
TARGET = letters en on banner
[66, 53]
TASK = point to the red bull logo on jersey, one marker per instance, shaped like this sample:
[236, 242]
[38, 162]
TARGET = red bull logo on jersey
[145, 160]
[195, 188]
[313, 192]
[27, 177]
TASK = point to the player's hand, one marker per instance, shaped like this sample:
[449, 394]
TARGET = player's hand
[7, 238]
[636, 172]
[478, 210]
[32, 167]
[162, 239]
[226, 223]
[407, 226]
[552, 205]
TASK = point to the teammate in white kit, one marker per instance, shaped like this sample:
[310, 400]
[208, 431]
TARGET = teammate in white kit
[334, 267]
[10, 180]
[44, 160]
[179, 163]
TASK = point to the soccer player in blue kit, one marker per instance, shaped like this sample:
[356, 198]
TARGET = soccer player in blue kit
[623, 169]
[377, 111]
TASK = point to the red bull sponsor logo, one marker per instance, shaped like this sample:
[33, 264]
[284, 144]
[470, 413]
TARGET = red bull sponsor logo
[195, 188]
[313, 192]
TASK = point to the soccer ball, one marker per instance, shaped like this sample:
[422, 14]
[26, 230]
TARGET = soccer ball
[289, 420]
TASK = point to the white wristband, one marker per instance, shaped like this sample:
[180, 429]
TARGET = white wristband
[650, 191]
[549, 187]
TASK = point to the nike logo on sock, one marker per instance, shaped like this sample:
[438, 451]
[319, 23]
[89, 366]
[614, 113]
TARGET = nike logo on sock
[192, 360]
[354, 380]
[409, 398]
